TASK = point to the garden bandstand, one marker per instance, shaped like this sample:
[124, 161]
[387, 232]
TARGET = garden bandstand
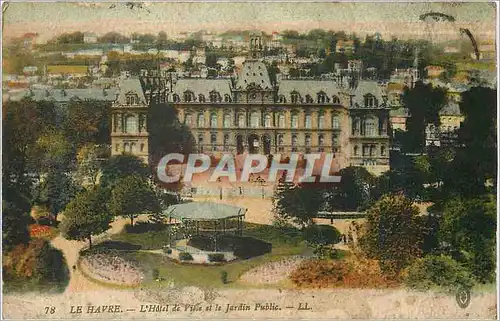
[201, 228]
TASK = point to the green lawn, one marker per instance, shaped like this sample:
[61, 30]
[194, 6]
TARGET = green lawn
[284, 243]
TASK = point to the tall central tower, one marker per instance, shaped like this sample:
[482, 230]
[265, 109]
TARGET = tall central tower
[256, 46]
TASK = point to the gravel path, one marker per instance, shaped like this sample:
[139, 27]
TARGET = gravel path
[271, 272]
[71, 250]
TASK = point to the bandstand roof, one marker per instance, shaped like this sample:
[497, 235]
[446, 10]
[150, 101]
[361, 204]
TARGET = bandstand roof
[204, 211]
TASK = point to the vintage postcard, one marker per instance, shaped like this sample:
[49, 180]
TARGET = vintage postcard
[254, 160]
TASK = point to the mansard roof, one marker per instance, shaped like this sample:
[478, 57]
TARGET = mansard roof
[253, 72]
[308, 87]
[364, 88]
[202, 86]
[130, 86]
[65, 95]
[451, 108]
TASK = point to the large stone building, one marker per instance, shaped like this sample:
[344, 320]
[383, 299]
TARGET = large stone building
[348, 117]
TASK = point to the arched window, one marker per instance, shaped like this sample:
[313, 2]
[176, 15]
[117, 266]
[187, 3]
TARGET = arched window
[254, 120]
[188, 119]
[382, 150]
[213, 141]
[241, 121]
[282, 99]
[335, 100]
[267, 121]
[201, 98]
[281, 121]
[213, 120]
[308, 140]
[355, 126]
[295, 96]
[188, 96]
[370, 101]
[201, 120]
[309, 99]
[294, 140]
[322, 98]
[308, 121]
[131, 124]
[227, 98]
[176, 98]
[335, 140]
[132, 99]
[281, 141]
[370, 127]
[214, 97]
[321, 121]
[226, 142]
[227, 121]
[295, 121]
[335, 122]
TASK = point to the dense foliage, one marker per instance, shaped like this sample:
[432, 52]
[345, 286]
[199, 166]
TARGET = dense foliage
[393, 233]
[435, 271]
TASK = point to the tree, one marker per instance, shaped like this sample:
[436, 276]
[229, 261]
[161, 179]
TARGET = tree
[56, 190]
[86, 215]
[211, 60]
[88, 122]
[53, 151]
[476, 157]
[393, 233]
[299, 203]
[424, 103]
[114, 37]
[132, 196]
[161, 40]
[353, 193]
[89, 163]
[467, 232]
[23, 124]
[121, 166]
[166, 133]
[15, 217]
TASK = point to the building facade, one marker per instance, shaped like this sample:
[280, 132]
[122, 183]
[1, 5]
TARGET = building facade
[250, 114]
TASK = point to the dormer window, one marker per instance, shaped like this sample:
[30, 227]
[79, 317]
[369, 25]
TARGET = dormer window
[188, 96]
[309, 99]
[132, 99]
[335, 100]
[282, 99]
[322, 98]
[176, 98]
[295, 97]
[201, 98]
[215, 97]
[370, 101]
[227, 98]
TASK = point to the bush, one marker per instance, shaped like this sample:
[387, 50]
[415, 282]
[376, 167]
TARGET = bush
[321, 234]
[326, 252]
[185, 256]
[156, 274]
[340, 273]
[438, 271]
[223, 277]
[145, 227]
[216, 257]
[37, 262]
[247, 247]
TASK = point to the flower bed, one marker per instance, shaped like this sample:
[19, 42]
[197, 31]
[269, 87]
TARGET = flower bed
[41, 231]
[110, 268]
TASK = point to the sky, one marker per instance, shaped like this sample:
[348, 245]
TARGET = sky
[389, 19]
